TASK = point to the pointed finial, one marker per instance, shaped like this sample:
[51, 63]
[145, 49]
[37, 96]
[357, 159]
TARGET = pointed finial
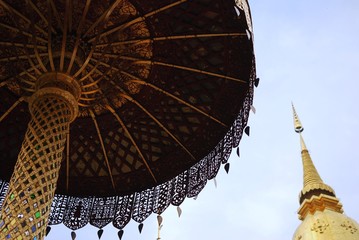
[297, 124]
[312, 181]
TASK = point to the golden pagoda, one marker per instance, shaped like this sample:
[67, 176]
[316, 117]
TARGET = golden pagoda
[320, 210]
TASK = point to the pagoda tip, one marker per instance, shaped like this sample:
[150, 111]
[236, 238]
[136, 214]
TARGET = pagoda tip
[298, 128]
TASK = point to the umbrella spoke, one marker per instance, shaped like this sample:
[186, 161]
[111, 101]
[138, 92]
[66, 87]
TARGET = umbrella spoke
[27, 34]
[103, 149]
[37, 10]
[140, 81]
[52, 7]
[49, 38]
[133, 141]
[128, 97]
[176, 37]
[11, 108]
[98, 37]
[180, 100]
[33, 39]
[12, 58]
[26, 71]
[18, 44]
[190, 69]
[78, 35]
[107, 13]
[13, 10]
[138, 19]
[64, 35]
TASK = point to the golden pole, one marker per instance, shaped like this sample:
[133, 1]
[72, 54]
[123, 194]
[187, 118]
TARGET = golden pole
[32, 186]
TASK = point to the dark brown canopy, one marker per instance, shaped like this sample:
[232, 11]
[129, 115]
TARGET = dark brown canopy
[166, 89]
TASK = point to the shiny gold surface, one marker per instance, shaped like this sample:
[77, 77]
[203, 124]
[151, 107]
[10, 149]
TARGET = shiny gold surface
[327, 225]
[320, 211]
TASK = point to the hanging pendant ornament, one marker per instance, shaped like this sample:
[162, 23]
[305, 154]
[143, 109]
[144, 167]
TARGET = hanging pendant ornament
[226, 167]
[179, 211]
[247, 130]
[99, 233]
[253, 109]
[73, 235]
[256, 82]
[238, 154]
[159, 220]
[48, 229]
[215, 182]
[140, 227]
[120, 234]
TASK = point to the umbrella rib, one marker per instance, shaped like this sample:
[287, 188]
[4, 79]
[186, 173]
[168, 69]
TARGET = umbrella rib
[78, 35]
[38, 58]
[133, 141]
[25, 72]
[177, 37]
[151, 62]
[49, 41]
[127, 24]
[57, 15]
[13, 10]
[193, 70]
[35, 67]
[12, 58]
[103, 16]
[107, 15]
[103, 148]
[17, 44]
[103, 74]
[37, 10]
[125, 95]
[64, 35]
[181, 101]
[140, 81]
[21, 31]
[11, 108]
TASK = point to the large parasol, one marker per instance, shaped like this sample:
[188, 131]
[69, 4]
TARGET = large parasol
[115, 109]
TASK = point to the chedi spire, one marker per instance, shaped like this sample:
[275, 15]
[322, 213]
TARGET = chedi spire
[320, 210]
[312, 182]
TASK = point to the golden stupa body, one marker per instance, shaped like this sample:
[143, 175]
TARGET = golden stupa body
[320, 210]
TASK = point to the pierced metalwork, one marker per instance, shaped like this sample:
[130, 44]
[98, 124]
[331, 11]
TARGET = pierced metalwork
[158, 91]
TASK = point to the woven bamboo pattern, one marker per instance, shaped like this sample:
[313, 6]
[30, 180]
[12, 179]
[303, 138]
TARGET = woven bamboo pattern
[32, 186]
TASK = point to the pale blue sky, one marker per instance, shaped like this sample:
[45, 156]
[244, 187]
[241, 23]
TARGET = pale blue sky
[307, 52]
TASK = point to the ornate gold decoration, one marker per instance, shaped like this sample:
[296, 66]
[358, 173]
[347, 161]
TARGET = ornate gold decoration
[348, 225]
[319, 203]
[320, 226]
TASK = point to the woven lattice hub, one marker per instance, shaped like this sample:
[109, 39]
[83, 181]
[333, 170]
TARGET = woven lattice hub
[104, 63]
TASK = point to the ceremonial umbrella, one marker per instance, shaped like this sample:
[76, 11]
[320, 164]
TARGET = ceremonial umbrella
[115, 109]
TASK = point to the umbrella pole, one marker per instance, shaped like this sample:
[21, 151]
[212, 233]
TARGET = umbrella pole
[27, 205]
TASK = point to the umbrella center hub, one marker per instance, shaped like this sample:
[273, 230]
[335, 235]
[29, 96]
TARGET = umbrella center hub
[59, 85]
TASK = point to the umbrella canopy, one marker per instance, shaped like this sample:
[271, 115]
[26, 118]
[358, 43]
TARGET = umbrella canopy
[164, 90]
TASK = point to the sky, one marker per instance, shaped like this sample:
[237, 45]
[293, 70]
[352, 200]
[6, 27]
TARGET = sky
[307, 53]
